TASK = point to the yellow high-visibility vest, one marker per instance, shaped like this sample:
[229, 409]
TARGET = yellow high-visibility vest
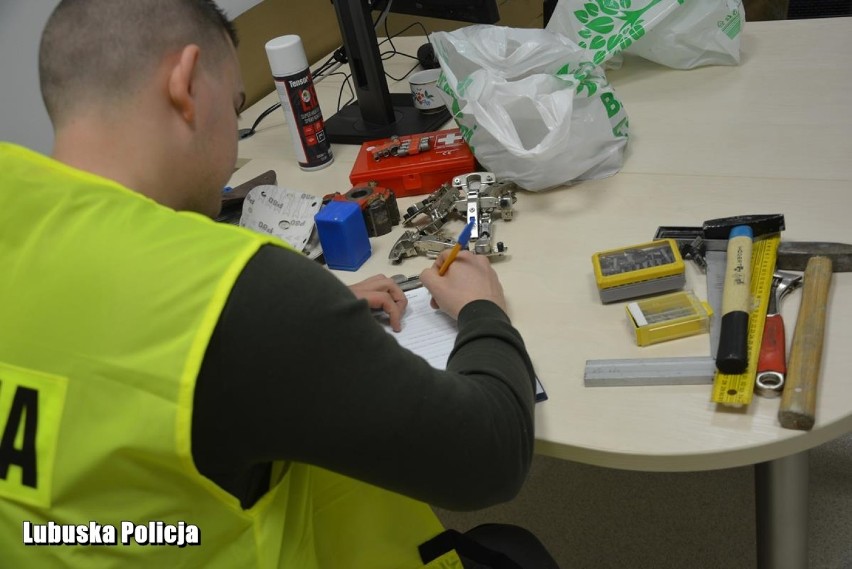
[107, 303]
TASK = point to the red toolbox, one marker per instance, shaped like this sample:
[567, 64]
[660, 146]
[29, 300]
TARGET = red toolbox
[413, 164]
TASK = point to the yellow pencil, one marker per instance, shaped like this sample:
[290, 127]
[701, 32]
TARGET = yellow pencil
[461, 243]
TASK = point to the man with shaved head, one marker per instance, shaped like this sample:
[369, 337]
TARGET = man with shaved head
[177, 392]
[102, 63]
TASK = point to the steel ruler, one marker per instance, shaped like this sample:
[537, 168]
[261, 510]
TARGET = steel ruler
[731, 389]
[649, 371]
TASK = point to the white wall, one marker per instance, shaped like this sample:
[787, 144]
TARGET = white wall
[23, 119]
[22, 116]
[233, 8]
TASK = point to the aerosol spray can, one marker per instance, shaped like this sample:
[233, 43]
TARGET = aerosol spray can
[295, 87]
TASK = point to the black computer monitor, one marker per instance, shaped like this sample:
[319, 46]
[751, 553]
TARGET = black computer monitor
[377, 113]
[477, 11]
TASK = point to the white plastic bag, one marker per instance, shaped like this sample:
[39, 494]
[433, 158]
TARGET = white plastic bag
[681, 34]
[530, 106]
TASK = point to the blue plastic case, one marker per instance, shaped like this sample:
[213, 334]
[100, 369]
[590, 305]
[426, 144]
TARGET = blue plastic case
[343, 235]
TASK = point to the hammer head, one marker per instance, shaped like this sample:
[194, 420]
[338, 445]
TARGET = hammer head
[794, 255]
[762, 224]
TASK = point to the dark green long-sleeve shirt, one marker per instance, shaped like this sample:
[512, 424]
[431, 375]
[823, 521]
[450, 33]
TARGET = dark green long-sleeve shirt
[298, 369]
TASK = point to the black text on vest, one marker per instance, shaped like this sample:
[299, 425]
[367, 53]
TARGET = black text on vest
[23, 414]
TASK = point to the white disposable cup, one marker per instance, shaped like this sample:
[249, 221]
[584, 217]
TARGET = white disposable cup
[424, 90]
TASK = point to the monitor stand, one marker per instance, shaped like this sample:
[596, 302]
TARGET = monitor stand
[347, 126]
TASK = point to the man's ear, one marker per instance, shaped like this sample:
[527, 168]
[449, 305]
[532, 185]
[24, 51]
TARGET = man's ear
[182, 82]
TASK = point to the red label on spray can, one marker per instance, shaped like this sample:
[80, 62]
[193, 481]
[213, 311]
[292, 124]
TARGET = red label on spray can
[299, 99]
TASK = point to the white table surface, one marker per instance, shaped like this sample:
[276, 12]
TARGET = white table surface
[773, 135]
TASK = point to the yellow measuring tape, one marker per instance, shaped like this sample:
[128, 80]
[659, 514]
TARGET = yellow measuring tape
[738, 389]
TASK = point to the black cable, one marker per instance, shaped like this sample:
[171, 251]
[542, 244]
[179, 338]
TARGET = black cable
[389, 54]
[389, 37]
[247, 132]
[345, 83]
[409, 72]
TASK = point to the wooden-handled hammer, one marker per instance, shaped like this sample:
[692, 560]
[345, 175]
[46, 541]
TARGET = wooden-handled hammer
[819, 260]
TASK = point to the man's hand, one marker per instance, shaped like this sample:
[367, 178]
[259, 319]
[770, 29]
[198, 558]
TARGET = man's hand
[469, 278]
[381, 292]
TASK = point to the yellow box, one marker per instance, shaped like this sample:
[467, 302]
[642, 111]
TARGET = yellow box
[638, 270]
[668, 317]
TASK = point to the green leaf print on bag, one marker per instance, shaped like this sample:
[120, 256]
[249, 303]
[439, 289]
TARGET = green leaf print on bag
[674, 33]
[600, 19]
[585, 77]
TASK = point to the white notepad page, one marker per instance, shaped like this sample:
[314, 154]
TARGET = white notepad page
[430, 333]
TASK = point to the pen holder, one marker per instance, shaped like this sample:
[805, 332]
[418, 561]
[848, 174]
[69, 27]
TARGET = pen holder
[343, 235]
